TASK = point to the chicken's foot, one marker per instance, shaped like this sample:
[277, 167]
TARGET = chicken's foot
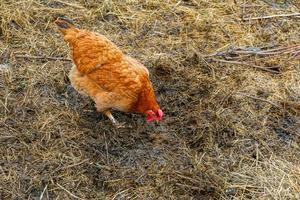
[113, 120]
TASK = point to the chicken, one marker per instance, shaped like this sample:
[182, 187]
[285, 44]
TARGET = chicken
[110, 78]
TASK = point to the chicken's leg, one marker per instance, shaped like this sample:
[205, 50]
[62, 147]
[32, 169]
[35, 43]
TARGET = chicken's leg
[113, 120]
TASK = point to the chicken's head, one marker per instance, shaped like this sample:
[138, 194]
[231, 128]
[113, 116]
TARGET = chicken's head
[152, 115]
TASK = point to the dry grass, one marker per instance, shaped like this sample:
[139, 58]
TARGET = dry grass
[231, 130]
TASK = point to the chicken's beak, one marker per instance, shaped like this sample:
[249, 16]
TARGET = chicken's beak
[160, 114]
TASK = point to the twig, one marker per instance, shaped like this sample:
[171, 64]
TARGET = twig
[274, 51]
[283, 48]
[119, 193]
[237, 55]
[257, 51]
[41, 197]
[189, 186]
[260, 99]
[70, 4]
[75, 164]
[250, 5]
[69, 166]
[271, 16]
[43, 57]
[73, 195]
[244, 63]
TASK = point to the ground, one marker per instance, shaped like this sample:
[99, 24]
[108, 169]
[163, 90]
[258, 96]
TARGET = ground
[231, 129]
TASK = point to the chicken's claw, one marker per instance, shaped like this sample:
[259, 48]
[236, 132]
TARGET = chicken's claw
[119, 125]
[115, 123]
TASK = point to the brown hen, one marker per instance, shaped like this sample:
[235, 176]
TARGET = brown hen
[112, 79]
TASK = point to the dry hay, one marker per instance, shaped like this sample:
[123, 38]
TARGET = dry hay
[231, 130]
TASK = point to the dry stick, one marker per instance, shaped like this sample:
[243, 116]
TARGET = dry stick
[43, 57]
[271, 16]
[189, 186]
[274, 51]
[234, 62]
[243, 63]
[260, 99]
[295, 50]
[262, 53]
[75, 164]
[70, 4]
[45, 188]
[250, 5]
[284, 50]
[115, 196]
[73, 195]
[69, 166]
